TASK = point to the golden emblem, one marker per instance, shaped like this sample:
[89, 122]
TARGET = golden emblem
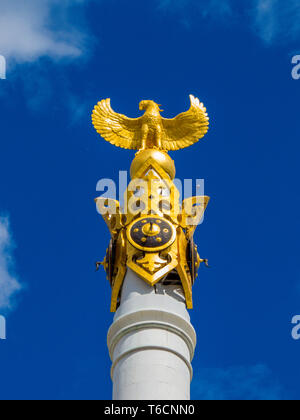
[151, 130]
[153, 234]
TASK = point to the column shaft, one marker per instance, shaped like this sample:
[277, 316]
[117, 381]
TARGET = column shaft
[151, 343]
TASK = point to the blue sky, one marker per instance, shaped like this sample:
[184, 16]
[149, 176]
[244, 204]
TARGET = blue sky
[62, 57]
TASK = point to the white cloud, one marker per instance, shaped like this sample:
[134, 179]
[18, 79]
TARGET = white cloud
[237, 383]
[36, 28]
[277, 20]
[9, 285]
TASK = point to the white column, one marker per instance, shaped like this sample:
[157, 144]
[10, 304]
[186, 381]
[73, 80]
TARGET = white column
[151, 343]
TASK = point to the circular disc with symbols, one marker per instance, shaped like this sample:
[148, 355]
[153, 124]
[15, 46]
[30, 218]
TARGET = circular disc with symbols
[151, 233]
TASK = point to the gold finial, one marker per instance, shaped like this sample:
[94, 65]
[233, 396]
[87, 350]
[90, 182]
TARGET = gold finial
[151, 131]
[162, 158]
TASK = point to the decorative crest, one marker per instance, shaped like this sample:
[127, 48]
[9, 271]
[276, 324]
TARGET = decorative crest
[153, 235]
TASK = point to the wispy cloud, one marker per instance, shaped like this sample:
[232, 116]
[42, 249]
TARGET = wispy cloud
[9, 285]
[237, 383]
[205, 8]
[277, 21]
[273, 21]
[33, 28]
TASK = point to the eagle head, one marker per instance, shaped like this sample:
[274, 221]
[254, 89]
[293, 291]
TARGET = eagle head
[145, 105]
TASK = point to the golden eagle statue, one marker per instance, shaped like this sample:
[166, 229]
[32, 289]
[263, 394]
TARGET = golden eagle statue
[151, 131]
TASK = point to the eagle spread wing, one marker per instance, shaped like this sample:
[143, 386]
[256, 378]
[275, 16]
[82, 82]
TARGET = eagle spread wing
[187, 128]
[116, 128]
